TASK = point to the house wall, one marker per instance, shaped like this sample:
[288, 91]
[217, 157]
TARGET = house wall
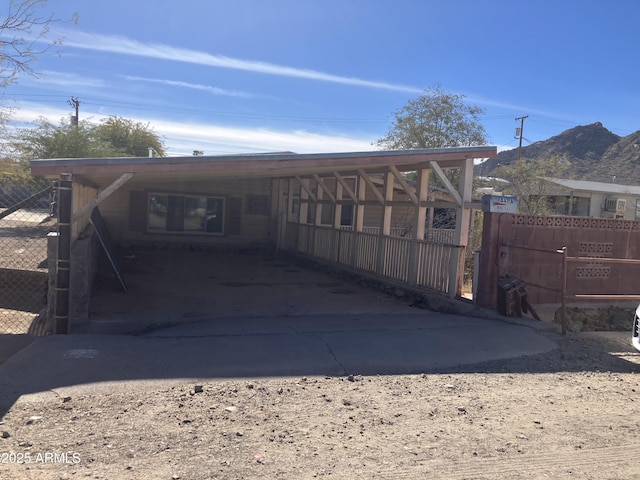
[597, 202]
[584, 237]
[125, 212]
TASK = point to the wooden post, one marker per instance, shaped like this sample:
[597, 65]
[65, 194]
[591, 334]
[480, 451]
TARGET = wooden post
[320, 197]
[385, 227]
[63, 267]
[304, 200]
[361, 192]
[463, 219]
[422, 189]
[337, 211]
[282, 213]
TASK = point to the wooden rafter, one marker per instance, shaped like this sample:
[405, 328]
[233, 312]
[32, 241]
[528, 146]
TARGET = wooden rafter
[403, 183]
[324, 187]
[368, 181]
[346, 186]
[448, 185]
[306, 189]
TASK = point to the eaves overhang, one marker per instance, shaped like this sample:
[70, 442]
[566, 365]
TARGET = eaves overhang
[277, 165]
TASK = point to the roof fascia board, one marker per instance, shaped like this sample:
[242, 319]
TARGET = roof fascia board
[257, 162]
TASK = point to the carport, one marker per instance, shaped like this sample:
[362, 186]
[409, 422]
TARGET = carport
[352, 209]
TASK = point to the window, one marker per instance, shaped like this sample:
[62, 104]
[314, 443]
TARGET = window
[346, 216]
[185, 214]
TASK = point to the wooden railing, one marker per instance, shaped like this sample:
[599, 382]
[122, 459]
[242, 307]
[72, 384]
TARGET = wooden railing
[437, 235]
[413, 262]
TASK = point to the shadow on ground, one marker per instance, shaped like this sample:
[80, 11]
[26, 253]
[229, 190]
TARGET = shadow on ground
[189, 318]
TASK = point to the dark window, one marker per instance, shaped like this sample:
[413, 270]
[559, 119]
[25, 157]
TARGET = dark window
[346, 216]
[185, 213]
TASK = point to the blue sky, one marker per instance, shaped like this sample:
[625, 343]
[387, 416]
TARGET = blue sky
[240, 76]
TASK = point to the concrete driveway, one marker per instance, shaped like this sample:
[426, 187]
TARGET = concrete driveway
[264, 318]
[262, 347]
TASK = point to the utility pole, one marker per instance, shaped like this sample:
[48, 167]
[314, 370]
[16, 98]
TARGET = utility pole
[519, 132]
[74, 102]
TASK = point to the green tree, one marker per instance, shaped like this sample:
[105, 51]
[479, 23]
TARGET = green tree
[129, 138]
[527, 182]
[113, 137]
[436, 119]
[64, 140]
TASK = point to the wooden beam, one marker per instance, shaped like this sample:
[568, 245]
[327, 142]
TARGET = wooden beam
[305, 187]
[450, 188]
[401, 180]
[388, 208]
[87, 208]
[368, 181]
[337, 210]
[304, 196]
[324, 187]
[346, 187]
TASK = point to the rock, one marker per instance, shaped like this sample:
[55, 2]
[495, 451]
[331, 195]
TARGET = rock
[198, 389]
[462, 409]
[351, 378]
[66, 399]
[230, 409]
[34, 419]
[5, 434]
[239, 434]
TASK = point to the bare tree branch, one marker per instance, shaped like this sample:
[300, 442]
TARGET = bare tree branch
[23, 38]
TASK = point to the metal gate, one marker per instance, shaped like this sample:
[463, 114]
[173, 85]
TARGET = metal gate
[26, 208]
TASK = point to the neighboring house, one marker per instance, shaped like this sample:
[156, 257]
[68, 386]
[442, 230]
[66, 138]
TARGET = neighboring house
[594, 199]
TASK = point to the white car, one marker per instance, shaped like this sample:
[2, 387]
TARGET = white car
[635, 334]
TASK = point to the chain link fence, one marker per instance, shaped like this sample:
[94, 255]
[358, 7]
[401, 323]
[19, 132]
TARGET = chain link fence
[26, 218]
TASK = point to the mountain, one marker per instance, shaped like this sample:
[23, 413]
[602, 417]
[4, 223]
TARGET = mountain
[594, 153]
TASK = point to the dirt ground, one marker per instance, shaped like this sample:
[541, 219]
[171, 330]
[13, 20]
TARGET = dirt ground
[571, 413]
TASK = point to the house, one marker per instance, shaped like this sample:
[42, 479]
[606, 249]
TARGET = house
[341, 208]
[593, 199]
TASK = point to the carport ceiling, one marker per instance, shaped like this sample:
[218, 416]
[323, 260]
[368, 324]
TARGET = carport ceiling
[102, 171]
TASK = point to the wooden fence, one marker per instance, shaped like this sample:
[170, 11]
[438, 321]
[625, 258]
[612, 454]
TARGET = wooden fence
[420, 263]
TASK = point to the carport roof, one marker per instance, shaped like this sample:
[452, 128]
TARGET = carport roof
[275, 165]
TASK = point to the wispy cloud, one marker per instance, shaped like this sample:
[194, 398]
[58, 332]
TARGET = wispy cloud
[127, 46]
[183, 137]
[193, 86]
[51, 78]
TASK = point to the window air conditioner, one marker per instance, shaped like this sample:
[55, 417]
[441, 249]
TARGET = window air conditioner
[615, 205]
